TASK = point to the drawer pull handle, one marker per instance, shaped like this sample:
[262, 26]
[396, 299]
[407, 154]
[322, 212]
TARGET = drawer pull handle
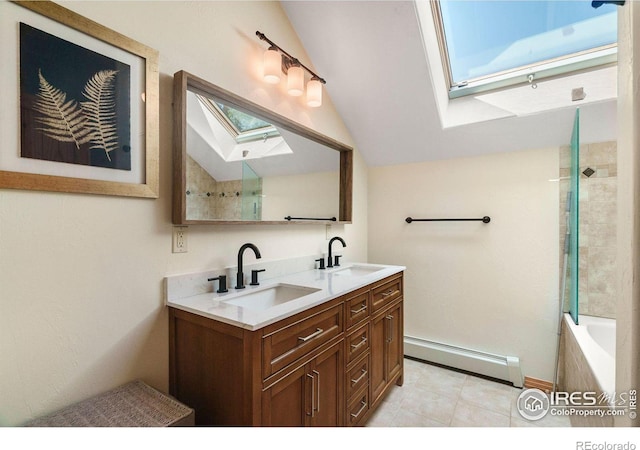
[390, 292]
[359, 344]
[318, 332]
[358, 311]
[362, 408]
[359, 379]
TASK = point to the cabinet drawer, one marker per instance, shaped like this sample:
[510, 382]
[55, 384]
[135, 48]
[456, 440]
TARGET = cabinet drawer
[357, 308]
[358, 342]
[386, 293]
[295, 339]
[357, 410]
[357, 377]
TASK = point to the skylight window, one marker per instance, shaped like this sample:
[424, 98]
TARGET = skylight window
[491, 44]
[214, 124]
[243, 127]
[241, 121]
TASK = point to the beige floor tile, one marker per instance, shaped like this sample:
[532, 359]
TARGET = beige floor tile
[383, 417]
[430, 405]
[433, 396]
[405, 418]
[469, 415]
[441, 381]
[488, 394]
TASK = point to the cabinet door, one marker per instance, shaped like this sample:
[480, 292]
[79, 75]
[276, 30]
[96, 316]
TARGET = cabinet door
[378, 377]
[394, 341]
[284, 402]
[327, 380]
[310, 395]
[386, 349]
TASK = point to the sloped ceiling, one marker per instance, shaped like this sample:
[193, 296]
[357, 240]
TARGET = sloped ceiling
[372, 55]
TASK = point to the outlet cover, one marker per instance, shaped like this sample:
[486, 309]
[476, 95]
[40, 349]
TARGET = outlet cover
[328, 231]
[179, 239]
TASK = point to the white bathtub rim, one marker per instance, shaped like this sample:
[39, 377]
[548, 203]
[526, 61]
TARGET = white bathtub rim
[601, 363]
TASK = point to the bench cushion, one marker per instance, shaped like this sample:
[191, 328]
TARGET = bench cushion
[132, 405]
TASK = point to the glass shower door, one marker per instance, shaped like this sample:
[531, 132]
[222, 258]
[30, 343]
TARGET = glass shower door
[572, 220]
[251, 194]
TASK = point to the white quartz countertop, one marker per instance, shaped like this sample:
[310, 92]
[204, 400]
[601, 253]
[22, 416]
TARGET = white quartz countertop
[324, 285]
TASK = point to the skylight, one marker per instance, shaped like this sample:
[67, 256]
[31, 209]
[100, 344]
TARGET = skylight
[491, 44]
[243, 127]
[212, 122]
[241, 121]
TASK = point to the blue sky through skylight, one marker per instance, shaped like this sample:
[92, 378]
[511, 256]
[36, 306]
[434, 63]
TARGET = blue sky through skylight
[487, 37]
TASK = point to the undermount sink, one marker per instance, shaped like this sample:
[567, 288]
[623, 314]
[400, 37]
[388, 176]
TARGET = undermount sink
[264, 298]
[356, 271]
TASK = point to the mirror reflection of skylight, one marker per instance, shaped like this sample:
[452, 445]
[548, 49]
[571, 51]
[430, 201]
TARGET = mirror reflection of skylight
[483, 39]
[206, 118]
[241, 121]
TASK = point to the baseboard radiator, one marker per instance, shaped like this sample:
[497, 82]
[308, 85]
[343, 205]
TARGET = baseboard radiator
[505, 368]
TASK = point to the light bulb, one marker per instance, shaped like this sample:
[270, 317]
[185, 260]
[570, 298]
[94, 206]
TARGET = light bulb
[314, 93]
[272, 65]
[295, 81]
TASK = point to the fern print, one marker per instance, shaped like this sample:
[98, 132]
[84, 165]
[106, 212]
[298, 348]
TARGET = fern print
[63, 120]
[99, 110]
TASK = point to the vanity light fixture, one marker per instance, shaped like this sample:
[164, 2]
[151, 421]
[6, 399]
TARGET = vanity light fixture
[277, 61]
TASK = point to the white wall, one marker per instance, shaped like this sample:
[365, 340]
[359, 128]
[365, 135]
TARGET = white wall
[291, 195]
[81, 303]
[490, 287]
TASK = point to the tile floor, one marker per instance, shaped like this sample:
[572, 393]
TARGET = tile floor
[433, 396]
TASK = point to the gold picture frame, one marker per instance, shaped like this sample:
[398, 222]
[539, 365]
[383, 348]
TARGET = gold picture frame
[144, 181]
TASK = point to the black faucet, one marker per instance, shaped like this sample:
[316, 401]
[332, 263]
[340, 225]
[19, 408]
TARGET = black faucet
[240, 277]
[329, 258]
[222, 283]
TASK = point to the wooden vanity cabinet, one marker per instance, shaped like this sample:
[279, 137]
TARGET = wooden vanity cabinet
[308, 395]
[328, 366]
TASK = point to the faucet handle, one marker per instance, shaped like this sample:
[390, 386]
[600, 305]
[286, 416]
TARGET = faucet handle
[222, 283]
[337, 260]
[254, 277]
[321, 261]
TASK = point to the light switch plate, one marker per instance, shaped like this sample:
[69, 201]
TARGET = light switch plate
[179, 239]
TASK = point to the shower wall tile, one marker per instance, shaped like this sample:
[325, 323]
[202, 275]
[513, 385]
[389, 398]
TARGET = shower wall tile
[601, 306]
[603, 189]
[602, 271]
[210, 199]
[603, 213]
[601, 153]
[602, 235]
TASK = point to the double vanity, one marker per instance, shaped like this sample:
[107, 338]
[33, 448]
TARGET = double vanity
[313, 348]
[297, 345]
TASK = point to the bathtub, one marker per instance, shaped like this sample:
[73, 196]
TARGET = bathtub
[596, 337]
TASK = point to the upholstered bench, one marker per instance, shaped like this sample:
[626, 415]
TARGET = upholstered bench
[132, 405]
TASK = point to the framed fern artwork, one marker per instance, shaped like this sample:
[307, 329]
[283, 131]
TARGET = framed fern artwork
[88, 103]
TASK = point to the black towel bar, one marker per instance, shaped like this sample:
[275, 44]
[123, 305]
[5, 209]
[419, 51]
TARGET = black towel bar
[485, 219]
[332, 219]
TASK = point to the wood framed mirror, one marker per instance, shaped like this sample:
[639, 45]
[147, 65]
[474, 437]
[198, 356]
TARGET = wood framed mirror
[236, 162]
